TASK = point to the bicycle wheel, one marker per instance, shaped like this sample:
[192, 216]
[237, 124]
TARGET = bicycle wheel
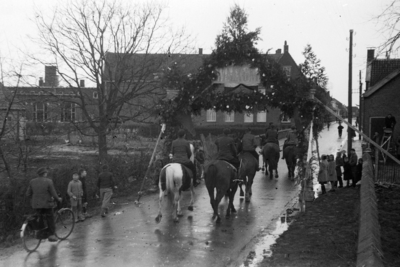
[28, 236]
[65, 223]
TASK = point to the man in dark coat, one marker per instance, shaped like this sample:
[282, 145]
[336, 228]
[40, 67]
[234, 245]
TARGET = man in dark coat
[353, 160]
[43, 193]
[291, 140]
[340, 129]
[271, 135]
[227, 149]
[180, 150]
[390, 122]
[249, 144]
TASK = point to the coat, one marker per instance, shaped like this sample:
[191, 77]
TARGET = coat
[347, 174]
[180, 150]
[226, 148]
[42, 191]
[323, 171]
[332, 175]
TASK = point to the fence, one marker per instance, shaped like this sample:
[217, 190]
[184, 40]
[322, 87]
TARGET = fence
[388, 172]
[369, 249]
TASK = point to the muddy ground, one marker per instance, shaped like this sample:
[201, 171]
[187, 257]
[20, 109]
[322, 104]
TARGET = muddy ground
[326, 235]
[389, 220]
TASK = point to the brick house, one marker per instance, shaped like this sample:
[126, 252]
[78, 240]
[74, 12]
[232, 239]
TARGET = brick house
[48, 103]
[16, 118]
[382, 94]
[256, 119]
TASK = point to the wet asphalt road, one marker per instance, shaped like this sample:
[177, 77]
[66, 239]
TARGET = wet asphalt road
[129, 236]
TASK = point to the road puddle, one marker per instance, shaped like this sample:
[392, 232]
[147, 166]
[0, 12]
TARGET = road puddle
[262, 249]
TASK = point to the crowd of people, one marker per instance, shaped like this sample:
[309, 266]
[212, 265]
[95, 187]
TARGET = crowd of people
[336, 171]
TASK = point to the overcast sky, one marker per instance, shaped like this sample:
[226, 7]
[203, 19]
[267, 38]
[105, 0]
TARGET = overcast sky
[324, 24]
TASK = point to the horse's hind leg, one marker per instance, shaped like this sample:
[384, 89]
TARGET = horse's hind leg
[241, 190]
[212, 201]
[191, 199]
[220, 194]
[177, 201]
[159, 216]
[231, 207]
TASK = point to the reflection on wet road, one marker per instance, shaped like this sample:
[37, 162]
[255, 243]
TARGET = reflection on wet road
[129, 236]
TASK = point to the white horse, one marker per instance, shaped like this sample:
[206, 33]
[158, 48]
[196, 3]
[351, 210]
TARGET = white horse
[173, 173]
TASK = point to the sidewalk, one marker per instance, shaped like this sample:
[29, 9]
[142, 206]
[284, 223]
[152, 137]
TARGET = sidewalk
[326, 234]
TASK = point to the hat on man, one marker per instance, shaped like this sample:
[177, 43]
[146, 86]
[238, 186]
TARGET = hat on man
[42, 171]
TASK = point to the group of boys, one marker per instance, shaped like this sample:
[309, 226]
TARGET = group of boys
[43, 194]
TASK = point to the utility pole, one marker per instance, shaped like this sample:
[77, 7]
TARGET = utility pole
[359, 108]
[350, 110]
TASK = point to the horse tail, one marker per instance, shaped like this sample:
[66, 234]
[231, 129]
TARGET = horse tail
[170, 183]
[211, 173]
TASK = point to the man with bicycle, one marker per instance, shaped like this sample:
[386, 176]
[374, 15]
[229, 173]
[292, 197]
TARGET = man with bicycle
[42, 191]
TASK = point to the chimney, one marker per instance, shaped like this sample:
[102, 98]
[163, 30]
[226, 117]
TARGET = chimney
[285, 48]
[41, 81]
[278, 51]
[370, 54]
[50, 76]
[200, 51]
[82, 83]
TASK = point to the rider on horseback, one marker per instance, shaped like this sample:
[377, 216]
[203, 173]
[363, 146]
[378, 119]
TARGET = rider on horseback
[291, 139]
[271, 135]
[180, 150]
[227, 149]
[249, 144]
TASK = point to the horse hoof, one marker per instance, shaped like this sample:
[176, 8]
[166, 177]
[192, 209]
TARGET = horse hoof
[247, 199]
[233, 210]
[218, 220]
[180, 214]
[158, 219]
[277, 176]
[190, 208]
[176, 220]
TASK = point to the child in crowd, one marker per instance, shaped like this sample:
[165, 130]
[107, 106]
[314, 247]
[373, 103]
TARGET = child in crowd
[339, 165]
[332, 175]
[82, 177]
[75, 193]
[347, 174]
[323, 173]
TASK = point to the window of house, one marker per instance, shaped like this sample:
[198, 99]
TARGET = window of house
[285, 118]
[287, 70]
[68, 112]
[262, 116]
[95, 95]
[248, 117]
[230, 116]
[211, 115]
[40, 112]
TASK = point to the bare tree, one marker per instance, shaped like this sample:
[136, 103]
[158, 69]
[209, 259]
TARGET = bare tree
[112, 46]
[390, 20]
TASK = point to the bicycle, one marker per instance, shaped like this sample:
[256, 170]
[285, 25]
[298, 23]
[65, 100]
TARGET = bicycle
[34, 228]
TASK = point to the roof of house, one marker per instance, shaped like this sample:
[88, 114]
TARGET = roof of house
[153, 63]
[275, 57]
[381, 83]
[381, 68]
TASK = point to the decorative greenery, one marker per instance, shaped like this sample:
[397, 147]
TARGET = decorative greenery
[235, 46]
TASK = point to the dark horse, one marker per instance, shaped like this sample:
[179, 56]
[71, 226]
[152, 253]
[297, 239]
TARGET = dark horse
[221, 175]
[270, 154]
[290, 154]
[248, 169]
